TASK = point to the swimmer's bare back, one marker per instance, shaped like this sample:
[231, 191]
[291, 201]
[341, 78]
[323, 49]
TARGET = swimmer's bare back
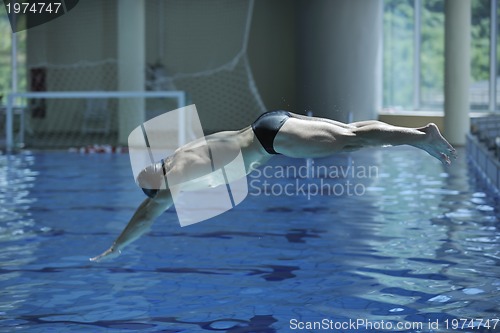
[275, 132]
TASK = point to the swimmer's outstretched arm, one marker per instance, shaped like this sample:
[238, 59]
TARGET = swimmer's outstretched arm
[141, 221]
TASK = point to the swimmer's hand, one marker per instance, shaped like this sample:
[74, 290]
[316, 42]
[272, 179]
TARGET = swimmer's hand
[110, 253]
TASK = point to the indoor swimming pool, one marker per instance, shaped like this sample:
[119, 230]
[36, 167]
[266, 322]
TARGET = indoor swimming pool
[382, 240]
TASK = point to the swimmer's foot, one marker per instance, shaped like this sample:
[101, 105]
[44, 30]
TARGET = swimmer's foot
[108, 254]
[436, 145]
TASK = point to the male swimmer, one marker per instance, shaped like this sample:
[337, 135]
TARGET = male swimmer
[274, 132]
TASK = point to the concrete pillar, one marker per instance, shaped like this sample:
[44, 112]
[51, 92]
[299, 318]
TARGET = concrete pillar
[339, 58]
[131, 64]
[457, 70]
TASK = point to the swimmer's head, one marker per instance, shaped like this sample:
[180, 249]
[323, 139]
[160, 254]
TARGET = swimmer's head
[152, 177]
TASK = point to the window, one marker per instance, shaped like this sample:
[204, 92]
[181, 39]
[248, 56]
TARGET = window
[431, 55]
[5, 54]
[413, 66]
[6, 57]
[480, 54]
[398, 85]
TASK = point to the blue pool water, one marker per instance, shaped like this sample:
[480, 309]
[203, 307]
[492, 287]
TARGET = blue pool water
[417, 243]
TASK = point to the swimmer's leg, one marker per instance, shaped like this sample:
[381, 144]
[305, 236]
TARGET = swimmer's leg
[364, 123]
[427, 138]
[140, 223]
[305, 138]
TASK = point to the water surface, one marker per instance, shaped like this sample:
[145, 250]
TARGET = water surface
[420, 244]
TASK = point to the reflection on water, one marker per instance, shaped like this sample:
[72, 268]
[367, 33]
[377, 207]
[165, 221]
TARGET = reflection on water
[444, 242]
[420, 245]
[17, 228]
[16, 180]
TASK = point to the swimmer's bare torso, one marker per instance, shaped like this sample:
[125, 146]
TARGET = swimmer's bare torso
[192, 165]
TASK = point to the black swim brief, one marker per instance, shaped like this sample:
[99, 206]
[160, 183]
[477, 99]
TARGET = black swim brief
[267, 126]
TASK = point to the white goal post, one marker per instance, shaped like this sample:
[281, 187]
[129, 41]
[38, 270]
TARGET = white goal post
[178, 96]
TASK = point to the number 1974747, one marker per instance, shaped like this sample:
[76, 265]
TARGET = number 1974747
[33, 7]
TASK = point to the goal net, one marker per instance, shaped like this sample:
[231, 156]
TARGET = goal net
[215, 69]
[80, 119]
[197, 47]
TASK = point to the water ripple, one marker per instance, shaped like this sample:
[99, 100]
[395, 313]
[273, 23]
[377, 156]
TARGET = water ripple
[421, 244]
